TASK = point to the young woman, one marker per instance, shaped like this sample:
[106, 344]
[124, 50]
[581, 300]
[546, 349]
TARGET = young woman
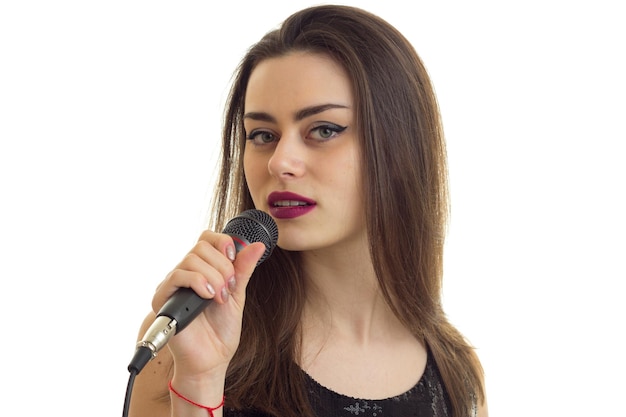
[332, 128]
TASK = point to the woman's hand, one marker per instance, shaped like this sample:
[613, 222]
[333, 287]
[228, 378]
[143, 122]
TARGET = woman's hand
[214, 271]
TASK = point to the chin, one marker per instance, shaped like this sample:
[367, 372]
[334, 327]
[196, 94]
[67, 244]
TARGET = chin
[293, 245]
[290, 247]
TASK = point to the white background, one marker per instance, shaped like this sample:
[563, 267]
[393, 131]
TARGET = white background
[109, 124]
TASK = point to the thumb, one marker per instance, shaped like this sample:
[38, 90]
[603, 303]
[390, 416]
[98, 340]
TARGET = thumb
[245, 263]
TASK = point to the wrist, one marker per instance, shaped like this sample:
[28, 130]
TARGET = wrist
[194, 395]
[189, 407]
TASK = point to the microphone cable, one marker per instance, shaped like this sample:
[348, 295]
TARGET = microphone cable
[129, 391]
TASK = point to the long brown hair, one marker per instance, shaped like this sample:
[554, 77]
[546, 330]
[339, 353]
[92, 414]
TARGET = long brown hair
[406, 199]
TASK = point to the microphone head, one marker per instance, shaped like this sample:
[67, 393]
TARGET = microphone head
[254, 226]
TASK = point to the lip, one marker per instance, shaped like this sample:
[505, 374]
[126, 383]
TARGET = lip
[288, 205]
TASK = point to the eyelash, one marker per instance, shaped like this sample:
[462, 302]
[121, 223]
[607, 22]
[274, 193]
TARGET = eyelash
[333, 128]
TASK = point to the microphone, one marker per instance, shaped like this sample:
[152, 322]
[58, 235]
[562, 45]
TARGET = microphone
[185, 305]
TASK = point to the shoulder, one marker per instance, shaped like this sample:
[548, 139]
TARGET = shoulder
[482, 410]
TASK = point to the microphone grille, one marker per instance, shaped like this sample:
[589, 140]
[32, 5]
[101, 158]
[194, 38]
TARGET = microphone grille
[255, 226]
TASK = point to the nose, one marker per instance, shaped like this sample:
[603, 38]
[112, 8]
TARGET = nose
[288, 159]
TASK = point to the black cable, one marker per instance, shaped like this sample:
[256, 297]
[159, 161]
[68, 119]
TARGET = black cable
[141, 357]
[129, 391]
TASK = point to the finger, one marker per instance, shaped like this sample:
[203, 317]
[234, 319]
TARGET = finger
[221, 241]
[211, 262]
[180, 278]
[216, 269]
[244, 264]
[217, 250]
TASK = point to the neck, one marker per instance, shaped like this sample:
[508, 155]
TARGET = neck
[344, 298]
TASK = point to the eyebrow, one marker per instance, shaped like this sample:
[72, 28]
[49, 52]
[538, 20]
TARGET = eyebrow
[300, 114]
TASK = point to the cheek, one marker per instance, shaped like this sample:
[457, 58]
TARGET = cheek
[346, 179]
[352, 172]
[251, 172]
[256, 174]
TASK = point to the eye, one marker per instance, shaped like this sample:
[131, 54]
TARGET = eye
[326, 131]
[261, 137]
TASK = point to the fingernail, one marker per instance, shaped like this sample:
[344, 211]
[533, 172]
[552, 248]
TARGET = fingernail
[224, 294]
[210, 288]
[230, 252]
[232, 283]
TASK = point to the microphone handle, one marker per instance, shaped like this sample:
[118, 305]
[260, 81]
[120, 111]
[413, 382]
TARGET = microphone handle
[185, 305]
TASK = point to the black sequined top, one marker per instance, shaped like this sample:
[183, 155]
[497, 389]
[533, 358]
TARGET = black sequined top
[428, 398]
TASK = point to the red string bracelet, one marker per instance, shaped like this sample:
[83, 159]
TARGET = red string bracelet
[209, 409]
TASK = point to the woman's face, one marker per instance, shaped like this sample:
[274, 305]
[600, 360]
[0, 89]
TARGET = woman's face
[301, 158]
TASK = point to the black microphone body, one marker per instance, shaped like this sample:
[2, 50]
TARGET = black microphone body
[185, 305]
